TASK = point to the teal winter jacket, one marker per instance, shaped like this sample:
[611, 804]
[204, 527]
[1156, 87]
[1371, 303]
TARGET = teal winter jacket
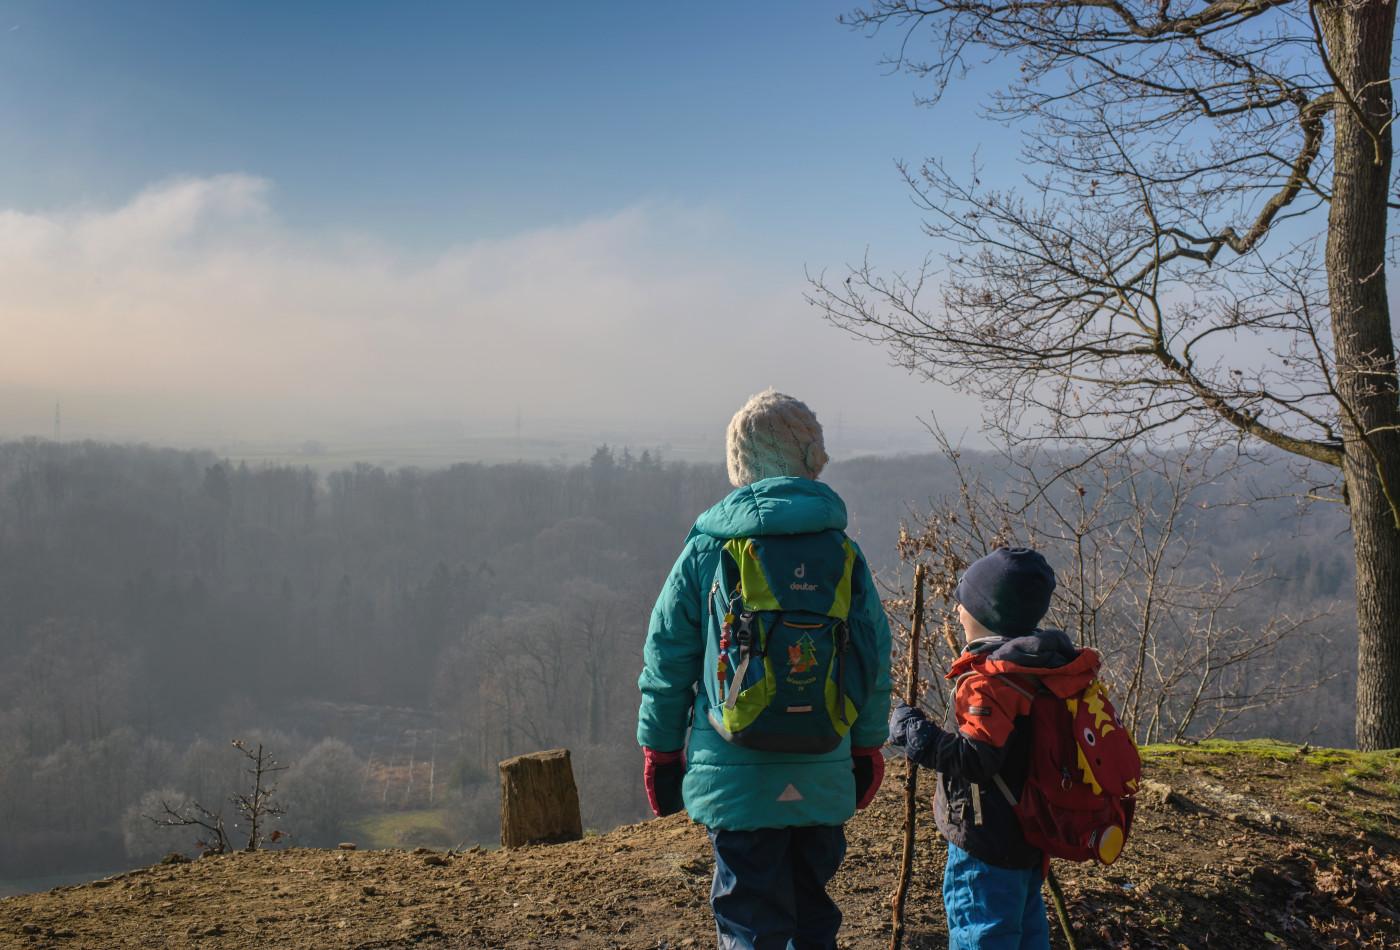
[728, 786]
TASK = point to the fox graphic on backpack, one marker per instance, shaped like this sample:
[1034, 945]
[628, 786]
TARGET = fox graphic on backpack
[1078, 799]
[781, 672]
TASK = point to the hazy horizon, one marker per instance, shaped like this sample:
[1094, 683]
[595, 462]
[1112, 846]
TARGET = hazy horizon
[228, 226]
[433, 442]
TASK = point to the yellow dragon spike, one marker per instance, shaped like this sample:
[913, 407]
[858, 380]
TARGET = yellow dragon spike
[1094, 698]
[1087, 772]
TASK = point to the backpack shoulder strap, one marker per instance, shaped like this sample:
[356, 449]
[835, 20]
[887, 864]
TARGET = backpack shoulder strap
[1005, 790]
[753, 584]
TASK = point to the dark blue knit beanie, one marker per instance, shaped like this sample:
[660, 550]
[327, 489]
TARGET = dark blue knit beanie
[1008, 591]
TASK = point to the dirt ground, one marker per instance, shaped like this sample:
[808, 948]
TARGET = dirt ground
[1236, 845]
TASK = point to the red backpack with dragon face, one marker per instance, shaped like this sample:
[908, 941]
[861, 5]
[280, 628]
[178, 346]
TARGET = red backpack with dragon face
[1077, 802]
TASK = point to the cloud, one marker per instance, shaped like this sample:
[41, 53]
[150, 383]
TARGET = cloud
[193, 306]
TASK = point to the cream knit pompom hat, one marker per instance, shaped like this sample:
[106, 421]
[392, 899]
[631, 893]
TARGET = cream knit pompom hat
[773, 435]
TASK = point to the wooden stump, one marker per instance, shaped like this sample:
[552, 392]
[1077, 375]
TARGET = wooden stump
[539, 801]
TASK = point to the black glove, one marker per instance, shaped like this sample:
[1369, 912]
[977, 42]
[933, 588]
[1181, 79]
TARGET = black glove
[904, 718]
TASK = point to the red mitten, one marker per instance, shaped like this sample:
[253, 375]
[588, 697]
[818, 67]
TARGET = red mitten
[662, 775]
[869, 766]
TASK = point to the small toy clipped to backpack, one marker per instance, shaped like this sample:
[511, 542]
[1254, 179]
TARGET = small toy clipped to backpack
[1079, 795]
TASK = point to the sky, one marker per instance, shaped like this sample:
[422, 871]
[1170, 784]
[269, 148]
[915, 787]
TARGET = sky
[225, 223]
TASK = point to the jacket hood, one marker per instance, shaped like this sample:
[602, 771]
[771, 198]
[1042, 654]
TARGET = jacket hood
[782, 505]
[1042, 649]
[1049, 655]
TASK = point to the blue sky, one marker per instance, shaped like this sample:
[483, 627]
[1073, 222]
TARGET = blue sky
[745, 142]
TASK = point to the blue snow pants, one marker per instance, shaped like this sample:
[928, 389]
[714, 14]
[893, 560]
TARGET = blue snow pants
[992, 908]
[769, 891]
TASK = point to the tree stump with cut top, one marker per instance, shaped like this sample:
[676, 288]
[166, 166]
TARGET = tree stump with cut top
[539, 800]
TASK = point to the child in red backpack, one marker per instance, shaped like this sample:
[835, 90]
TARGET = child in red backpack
[992, 880]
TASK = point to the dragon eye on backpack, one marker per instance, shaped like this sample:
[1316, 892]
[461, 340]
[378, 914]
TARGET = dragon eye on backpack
[784, 676]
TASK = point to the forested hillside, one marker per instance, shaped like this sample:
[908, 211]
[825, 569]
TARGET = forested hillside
[390, 635]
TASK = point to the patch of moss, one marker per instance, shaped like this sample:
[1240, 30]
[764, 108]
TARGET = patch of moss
[1369, 821]
[1363, 763]
[1159, 750]
[1339, 781]
[1258, 748]
[1355, 764]
[1207, 749]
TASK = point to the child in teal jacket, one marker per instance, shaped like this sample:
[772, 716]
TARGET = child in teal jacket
[774, 818]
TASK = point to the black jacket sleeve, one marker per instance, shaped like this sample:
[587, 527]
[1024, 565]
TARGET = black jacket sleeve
[949, 753]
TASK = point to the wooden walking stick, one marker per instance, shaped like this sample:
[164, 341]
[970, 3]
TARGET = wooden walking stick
[1057, 897]
[911, 770]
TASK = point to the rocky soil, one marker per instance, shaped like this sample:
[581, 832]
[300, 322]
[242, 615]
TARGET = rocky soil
[1236, 845]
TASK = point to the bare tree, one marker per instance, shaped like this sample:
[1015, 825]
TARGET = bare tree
[257, 806]
[596, 615]
[1184, 653]
[1204, 247]
[191, 814]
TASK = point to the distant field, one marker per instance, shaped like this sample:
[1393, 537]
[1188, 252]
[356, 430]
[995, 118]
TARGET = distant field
[427, 828]
[562, 445]
[547, 443]
[329, 457]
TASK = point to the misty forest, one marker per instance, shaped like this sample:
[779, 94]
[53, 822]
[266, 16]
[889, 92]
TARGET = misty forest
[390, 635]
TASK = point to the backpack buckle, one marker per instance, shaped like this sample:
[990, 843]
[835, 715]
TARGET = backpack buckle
[744, 634]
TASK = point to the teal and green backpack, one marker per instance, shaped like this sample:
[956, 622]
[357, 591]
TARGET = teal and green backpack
[781, 674]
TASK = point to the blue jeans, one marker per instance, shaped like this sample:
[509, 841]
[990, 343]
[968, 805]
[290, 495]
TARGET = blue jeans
[770, 887]
[992, 908]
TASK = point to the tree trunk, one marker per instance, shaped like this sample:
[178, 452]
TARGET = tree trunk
[1359, 37]
[539, 801]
